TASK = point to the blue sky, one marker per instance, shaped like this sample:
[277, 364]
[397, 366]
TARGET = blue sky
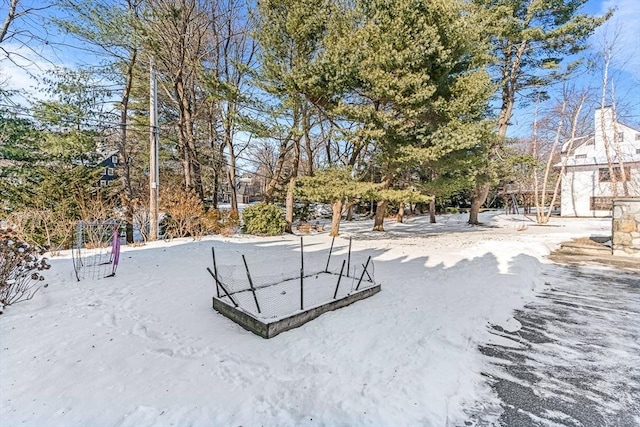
[625, 64]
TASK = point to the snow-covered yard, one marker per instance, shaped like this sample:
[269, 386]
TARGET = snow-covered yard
[146, 348]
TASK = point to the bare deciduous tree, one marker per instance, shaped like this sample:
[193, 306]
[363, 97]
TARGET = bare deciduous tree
[567, 114]
[177, 40]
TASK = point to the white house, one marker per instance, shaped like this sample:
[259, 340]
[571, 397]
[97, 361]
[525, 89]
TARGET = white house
[587, 184]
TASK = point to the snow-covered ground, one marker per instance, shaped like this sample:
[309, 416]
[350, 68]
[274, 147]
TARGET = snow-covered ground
[146, 348]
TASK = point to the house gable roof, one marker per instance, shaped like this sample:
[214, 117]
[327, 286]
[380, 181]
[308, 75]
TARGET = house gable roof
[591, 151]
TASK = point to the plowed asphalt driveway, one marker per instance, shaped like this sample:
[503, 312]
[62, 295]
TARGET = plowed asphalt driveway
[576, 359]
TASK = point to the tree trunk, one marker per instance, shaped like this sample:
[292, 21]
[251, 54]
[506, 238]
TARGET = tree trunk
[123, 149]
[432, 210]
[306, 122]
[336, 215]
[400, 216]
[480, 193]
[381, 210]
[350, 212]
[182, 136]
[284, 149]
[289, 205]
[217, 155]
[11, 16]
[292, 185]
[510, 75]
[233, 191]
[186, 162]
[194, 167]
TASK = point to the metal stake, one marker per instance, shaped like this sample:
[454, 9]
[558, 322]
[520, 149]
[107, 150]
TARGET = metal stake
[215, 270]
[223, 288]
[301, 274]
[335, 294]
[326, 270]
[363, 271]
[253, 290]
[349, 258]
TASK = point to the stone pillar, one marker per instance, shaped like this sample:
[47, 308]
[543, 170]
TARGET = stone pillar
[625, 237]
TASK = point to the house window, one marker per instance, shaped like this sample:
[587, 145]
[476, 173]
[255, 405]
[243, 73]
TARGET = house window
[637, 150]
[581, 156]
[620, 136]
[601, 203]
[604, 174]
[637, 136]
[114, 159]
[104, 183]
[110, 171]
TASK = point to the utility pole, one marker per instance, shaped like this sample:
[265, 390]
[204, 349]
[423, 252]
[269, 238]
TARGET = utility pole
[153, 154]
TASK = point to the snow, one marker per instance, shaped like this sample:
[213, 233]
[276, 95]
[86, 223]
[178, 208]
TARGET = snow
[146, 348]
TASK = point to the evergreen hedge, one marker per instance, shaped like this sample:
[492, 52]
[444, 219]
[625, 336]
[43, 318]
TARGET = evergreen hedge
[263, 219]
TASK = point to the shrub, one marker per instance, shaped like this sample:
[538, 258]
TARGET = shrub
[20, 269]
[42, 227]
[223, 222]
[141, 217]
[263, 219]
[183, 210]
[184, 216]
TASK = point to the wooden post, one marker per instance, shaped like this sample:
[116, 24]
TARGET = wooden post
[335, 294]
[253, 290]
[363, 271]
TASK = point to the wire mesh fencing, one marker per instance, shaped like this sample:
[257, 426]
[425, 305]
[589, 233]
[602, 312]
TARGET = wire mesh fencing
[270, 289]
[96, 249]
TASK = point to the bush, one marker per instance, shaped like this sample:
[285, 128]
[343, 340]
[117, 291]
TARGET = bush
[223, 222]
[184, 216]
[183, 210]
[263, 219]
[42, 227]
[20, 269]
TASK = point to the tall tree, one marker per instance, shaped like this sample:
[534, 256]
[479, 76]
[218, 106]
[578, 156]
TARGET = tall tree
[415, 83]
[530, 40]
[19, 153]
[113, 27]
[566, 118]
[226, 84]
[291, 35]
[176, 37]
[53, 164]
